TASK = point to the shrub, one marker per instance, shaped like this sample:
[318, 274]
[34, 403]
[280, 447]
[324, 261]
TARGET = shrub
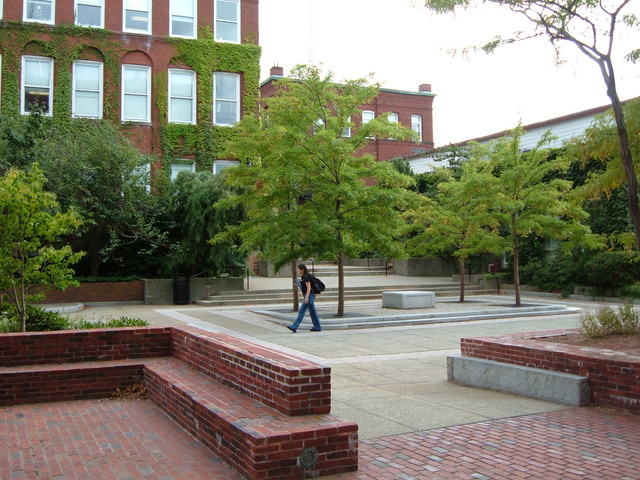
[84, 324]
[40, 320]
[553, 273]
[608, 321]
[611, 269]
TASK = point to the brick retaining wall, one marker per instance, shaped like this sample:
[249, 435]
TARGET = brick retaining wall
[614, 377]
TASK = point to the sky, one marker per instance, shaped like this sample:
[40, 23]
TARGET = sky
[405, 45]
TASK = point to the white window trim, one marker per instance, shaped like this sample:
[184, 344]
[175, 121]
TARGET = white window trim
[193, 95]
[49, 113]
[136, 30]
[419, 118]
[195, 20]
[239, 22]
[75, 14]
[1, 9]
[100, 90]
[220, 165]
[238, 99]
[373, 115]
[393, 117]
[51, 21]
[148, 95]
[346, 131]
[185, 163]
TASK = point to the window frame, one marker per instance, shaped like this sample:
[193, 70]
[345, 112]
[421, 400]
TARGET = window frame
[75, 13]
[25, 8]
[393, 117]
[184, 162]
[365, 120]
[149, 18]
[238, 23]
[418, 131]
[192, 74]
[100, 88]
[24, 60]
[123, 93]
[194, 4]
[219, 165]
[216, 99]
[346, 130]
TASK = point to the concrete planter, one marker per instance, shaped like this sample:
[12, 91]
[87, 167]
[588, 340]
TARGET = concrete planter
[160, 291]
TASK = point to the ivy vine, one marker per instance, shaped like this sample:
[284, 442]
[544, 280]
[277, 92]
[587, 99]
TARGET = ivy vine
[67, 43]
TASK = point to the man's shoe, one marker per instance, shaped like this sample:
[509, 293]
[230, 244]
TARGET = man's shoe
[316, 329]
[290, 328]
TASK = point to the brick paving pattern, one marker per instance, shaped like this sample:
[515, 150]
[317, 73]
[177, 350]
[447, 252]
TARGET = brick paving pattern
[118, 440]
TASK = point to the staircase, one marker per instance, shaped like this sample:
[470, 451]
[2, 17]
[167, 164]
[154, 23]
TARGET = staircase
[264, 297]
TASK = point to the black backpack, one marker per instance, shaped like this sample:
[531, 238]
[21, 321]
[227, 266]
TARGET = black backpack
[316, 285]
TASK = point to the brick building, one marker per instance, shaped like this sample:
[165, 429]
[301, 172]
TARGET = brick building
[411, 109]
[176, 74]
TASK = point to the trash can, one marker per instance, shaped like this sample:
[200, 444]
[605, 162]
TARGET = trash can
[181, 290]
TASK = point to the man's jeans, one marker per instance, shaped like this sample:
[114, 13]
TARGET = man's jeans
[312, 311]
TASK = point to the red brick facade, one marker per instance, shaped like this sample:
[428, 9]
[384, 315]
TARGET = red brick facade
[114, 48]
[403, 103]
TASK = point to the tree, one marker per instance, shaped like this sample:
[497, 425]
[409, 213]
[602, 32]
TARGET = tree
[91, 166]
[592, 27]
[197, 221]
[32, 223]
[528, 201]
[459, 217]
[597, 152]
[307, 191]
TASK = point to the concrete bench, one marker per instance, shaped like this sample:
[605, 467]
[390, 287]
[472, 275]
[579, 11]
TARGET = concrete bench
[408, 299]
[529, 382]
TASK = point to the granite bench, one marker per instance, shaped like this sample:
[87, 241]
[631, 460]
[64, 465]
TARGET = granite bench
[408, 299]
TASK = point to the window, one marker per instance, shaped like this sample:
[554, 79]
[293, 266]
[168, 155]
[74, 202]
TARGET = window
[227, 21]
[136, 100]
[90, 13]
[37, 84]
[393, 117]
[39, 11]
[137, 15]
[182, 94]
[183, 18]
[87, 89]
[346, 131]
[182, 166]
[1, 14]
[367, 116]
[220, 165]
[226, 98]
[416, 125]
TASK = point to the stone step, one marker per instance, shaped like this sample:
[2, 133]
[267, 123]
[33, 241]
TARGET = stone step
[248, 297]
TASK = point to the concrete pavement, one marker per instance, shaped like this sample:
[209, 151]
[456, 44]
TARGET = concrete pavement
[392, 381]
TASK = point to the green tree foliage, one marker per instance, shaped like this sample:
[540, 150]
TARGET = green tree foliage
[32, 224]
[592, 26]
[529, 201]
[307, 189]
[459, 217]
[194, 197]
[90, 166]
[597, 151]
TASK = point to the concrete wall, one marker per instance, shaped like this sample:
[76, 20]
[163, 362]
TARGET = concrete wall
[424, 267]
[160, 291]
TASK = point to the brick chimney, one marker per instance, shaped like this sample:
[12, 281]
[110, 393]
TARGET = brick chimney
[425, 87]
[276, 71]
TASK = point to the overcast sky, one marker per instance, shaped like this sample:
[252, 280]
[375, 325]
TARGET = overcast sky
[405, 45]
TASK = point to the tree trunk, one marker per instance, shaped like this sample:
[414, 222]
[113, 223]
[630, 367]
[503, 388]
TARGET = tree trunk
[340, 312]
[606, 68]
[461, 280]
[294, 275]
[516, 259]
